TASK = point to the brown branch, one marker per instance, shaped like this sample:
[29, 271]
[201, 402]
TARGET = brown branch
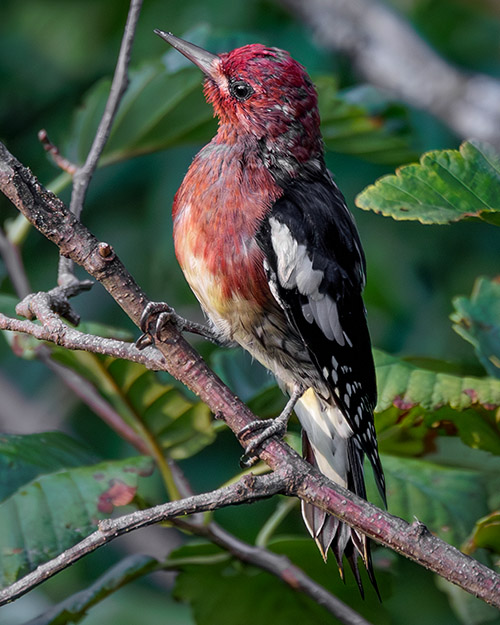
[57, 332]
[119, 85]
[53, 219]
[279, 566]
[83, 175]
[245, 490]
[88, 394]
[389, 53]
[62, 162]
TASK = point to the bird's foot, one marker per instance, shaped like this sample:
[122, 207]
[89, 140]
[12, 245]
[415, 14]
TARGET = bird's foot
[154, 318]
[270, 427]
[156, 315]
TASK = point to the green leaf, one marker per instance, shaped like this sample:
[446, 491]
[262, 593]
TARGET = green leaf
[477, 320]
[222, 590]
[22, 458]
[447, 500]
[446, 186]
[486, 534]
[57, 510]
[156, 411]
[413, 394]
[74, 608]
[8, 304]
[359, 122]
[161, 108]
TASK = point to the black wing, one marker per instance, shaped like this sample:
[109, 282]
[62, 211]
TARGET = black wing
[316, 270]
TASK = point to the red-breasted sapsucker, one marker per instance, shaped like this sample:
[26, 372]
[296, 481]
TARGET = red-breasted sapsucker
[271, 251]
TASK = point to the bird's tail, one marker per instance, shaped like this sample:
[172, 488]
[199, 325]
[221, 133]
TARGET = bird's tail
[328, 446]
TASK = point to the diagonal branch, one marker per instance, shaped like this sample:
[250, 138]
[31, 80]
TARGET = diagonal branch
[83, 175]
[52, 218]
[278, 565]
[119, 85]
[245, 490]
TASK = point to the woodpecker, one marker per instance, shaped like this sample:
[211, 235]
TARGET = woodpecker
[271, 251]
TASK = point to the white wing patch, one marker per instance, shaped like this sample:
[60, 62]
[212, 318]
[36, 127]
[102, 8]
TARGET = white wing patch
[295, 270]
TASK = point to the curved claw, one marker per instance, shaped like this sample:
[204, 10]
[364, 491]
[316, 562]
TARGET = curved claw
[246, 462]
[159, 314]
[153, 312]
[271, 427]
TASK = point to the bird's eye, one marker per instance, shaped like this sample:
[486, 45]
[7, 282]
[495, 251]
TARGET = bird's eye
[240, 90]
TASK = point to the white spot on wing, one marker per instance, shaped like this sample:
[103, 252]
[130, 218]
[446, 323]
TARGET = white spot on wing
[285, 248]
[295, 268]
[308, 279]
[326, 315]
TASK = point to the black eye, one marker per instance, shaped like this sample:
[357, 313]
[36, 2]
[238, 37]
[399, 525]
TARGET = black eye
[240, 90]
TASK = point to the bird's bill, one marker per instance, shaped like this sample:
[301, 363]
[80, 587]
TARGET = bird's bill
[206, 61]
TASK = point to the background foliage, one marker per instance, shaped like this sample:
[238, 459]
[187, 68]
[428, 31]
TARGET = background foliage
[438, 428]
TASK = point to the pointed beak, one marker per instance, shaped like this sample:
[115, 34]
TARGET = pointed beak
[206, 61]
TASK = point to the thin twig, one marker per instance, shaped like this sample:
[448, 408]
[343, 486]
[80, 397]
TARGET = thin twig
[15, 269]
[84, 390]
[57, 332]
[62, 162]
[83, 175]
[118, 87]
[53, 219]
[278, 565]
[246, 490]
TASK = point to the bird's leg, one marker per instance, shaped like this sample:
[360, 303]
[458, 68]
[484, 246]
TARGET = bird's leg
[271, 427]
[160, 314]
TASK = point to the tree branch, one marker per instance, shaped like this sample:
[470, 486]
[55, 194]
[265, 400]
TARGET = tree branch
[15, 269]
[279, 566]
[57, 332]
[83, 175]
[245, 490]
[388, 53]
[53, 219]
[119, 85]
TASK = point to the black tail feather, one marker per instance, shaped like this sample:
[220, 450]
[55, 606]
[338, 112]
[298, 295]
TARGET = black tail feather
[329, 532]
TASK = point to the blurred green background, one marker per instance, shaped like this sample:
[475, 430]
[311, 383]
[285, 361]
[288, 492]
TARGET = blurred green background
[52, 52]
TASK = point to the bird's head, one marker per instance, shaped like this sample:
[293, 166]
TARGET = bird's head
[260, 92]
